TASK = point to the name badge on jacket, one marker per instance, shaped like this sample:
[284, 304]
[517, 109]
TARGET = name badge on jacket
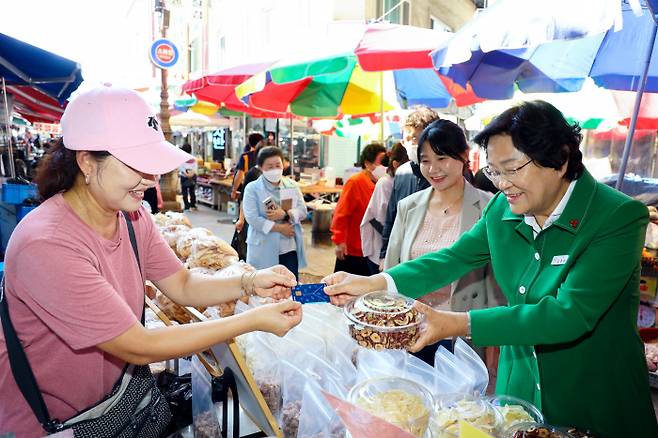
[559, 260]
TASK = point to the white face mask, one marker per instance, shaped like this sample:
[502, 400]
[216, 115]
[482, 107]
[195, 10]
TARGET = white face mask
[379, 171]
[412, 150]
[273, 175]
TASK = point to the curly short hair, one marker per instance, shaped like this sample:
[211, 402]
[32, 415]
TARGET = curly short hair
[540, 131]
[420, 118]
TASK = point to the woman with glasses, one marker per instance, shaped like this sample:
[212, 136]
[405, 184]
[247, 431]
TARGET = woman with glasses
[434, 218]
[565, 250]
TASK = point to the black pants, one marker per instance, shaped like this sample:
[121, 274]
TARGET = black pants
[428, 352]
[289, 260]
[353, 265]
[151, 196]
[372, 266]
[189, 196]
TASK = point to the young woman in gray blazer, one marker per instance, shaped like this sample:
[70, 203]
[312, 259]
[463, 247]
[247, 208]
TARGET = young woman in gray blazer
[434, 218]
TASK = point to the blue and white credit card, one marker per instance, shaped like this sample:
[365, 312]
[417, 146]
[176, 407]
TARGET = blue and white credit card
[310, 293]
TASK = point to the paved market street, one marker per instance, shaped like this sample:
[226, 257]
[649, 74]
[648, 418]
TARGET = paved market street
[320, 252]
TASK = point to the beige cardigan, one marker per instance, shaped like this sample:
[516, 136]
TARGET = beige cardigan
[477, 289]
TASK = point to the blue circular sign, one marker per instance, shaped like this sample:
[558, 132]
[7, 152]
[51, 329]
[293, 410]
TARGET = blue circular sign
[164, 53]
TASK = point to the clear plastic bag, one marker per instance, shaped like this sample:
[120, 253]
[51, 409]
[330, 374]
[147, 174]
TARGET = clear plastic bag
[172, 233]
[450, 375]
[185, 241]
[308, 341]
[204, 415]
[418, 371]
[471, 360]
[318, 419]
[372, 364]
[267, 373]
[294, 380]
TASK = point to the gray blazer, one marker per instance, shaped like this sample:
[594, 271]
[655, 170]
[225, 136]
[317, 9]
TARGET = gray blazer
[477, 289]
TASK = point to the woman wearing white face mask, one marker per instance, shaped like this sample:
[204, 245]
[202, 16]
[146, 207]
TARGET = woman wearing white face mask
[275, 235]
[346, 224]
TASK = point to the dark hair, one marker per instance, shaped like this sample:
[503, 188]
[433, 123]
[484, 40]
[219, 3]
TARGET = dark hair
[446, 138]
[369, 154]
[59, 168]
[187, 148]
[399, 154]
[269, 152]
[254, 138]
[540, 131]
[480, 181]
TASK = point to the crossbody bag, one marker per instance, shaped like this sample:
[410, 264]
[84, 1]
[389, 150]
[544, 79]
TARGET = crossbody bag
[135, 408]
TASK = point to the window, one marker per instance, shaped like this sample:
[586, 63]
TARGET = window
[400, 15]
[438, 24]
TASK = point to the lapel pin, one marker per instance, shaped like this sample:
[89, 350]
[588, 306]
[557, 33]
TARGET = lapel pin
[573, 223]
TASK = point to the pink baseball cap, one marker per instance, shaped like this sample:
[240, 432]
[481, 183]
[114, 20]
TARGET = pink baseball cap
[119, 121]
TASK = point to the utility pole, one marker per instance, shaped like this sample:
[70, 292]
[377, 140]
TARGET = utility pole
[169, 181]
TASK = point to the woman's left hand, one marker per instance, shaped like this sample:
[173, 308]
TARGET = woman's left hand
[274, 282]
[439, 325]
[276, 215]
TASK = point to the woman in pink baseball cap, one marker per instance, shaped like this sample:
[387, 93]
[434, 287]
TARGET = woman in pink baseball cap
[74, 282]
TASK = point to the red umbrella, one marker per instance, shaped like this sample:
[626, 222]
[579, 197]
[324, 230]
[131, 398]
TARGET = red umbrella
[387, 46]
[219, 88]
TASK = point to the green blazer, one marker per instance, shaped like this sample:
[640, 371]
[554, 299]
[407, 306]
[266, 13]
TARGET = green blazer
[569, 340]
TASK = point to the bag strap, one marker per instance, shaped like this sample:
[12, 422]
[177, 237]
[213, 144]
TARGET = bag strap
[18, 362]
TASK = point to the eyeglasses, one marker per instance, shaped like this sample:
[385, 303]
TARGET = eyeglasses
[508, 175]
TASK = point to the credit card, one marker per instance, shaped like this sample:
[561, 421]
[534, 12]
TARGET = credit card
[310, 293]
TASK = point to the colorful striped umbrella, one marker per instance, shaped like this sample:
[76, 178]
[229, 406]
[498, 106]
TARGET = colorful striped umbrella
[361, 81]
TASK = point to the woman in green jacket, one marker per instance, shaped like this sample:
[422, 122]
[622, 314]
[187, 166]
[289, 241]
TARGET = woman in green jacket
[565, 250]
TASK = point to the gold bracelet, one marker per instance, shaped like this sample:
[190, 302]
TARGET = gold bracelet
[252, 288]
[243, 286]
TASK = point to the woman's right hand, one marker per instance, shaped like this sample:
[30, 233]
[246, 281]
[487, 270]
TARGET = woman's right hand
[278, 318]
[342, 287]
[287, 229]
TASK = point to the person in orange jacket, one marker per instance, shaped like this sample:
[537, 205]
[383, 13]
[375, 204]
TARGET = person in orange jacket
[346, 223]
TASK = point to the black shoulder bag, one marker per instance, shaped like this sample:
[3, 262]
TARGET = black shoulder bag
[134, 408]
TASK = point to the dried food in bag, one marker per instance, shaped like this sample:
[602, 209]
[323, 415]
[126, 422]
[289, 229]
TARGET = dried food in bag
[171, 234]
[293, 379]
[317, 417]
[453, 408]
[174, 312]
[265, 366]
[171, 218]
[204, 416]
[185, 241]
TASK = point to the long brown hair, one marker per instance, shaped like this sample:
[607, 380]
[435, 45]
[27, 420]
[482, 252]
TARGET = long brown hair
[59, 168]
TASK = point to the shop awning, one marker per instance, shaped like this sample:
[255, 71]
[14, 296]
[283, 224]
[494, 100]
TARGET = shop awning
[25, 64]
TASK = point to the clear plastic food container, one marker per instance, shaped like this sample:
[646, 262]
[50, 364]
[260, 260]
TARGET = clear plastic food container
[382, 320]
[450, 409]
[534, 430]
[515, 410]
[401, 402]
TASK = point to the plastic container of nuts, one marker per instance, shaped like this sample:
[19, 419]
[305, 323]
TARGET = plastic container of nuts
[534, 430]
[401, 402]
[382, 320]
